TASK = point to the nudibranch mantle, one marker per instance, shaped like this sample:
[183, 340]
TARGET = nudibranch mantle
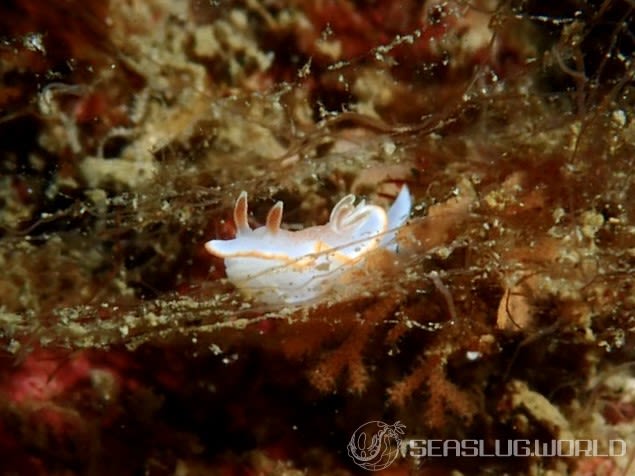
[278, 266]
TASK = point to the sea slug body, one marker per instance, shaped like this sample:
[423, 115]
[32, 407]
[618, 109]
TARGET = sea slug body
[277, 266]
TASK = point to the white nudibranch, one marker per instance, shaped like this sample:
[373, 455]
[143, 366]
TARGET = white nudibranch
[279, 266]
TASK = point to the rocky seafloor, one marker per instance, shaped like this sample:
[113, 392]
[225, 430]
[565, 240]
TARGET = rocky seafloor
[128, 130]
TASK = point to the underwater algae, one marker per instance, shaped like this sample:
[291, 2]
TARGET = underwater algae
[128, 129]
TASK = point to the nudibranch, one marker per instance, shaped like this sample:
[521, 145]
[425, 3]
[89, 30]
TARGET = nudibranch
[278, 266]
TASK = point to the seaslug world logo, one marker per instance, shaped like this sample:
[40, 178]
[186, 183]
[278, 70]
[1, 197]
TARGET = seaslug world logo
[375, 444]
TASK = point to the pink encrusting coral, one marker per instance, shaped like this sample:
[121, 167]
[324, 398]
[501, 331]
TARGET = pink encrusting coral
[44, 376]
